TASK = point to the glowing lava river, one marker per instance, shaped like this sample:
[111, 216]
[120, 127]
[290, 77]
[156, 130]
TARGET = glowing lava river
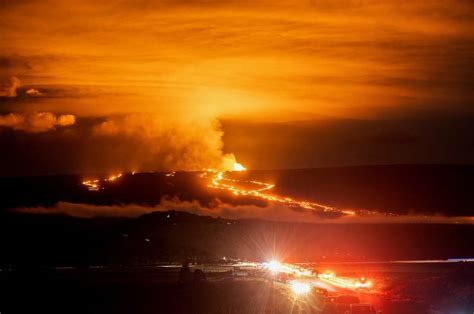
[261, 190]
[217, 179]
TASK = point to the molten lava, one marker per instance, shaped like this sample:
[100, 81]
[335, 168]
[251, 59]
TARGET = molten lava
[95, 185]
[238, 167]
[259, 189]
[252, 188]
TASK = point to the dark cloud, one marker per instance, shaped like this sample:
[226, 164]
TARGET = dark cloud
[408, 140]
[14, 63]
[395, 138]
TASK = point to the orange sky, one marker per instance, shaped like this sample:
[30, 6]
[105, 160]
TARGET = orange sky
[259, 61]
[225, 58]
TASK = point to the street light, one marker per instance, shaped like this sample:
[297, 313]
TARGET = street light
[300, 288]
[274, 266]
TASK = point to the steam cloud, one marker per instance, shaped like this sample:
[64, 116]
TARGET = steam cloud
[36, 122]
[109, 144]
[158, 143]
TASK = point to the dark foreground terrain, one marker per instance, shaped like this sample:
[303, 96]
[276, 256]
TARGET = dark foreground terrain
[32, 240]
[399, 289]
[58, 255]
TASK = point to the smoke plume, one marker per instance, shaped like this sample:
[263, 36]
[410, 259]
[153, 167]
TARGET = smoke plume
[151, 143]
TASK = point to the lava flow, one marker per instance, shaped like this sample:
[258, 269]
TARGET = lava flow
[252, 188]
[94, 185]
[218, 180]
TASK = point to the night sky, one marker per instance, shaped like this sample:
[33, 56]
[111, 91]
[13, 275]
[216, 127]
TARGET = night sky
[176, 85]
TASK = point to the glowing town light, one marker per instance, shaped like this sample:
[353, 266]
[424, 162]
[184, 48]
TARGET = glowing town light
[346, 283]
[363, 284]
[327, 275]
[300, 288]
[274, 266]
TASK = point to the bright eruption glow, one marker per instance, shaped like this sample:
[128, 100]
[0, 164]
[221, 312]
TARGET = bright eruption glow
[300, 288]
[238, 167]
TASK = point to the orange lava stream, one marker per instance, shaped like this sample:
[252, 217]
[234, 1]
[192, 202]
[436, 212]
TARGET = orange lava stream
[94, 185]
[219, 181]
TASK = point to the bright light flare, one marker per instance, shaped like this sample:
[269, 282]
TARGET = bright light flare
[300, 288]
[274, 266]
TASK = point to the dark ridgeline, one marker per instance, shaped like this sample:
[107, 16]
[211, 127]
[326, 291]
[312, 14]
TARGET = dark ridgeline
[54, 240]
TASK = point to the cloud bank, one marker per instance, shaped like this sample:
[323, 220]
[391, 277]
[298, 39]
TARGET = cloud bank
[36, 122]
[272, 212]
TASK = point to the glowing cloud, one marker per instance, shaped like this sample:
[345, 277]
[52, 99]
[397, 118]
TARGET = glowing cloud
[34, 92]
[36, 122]
[162, 143]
